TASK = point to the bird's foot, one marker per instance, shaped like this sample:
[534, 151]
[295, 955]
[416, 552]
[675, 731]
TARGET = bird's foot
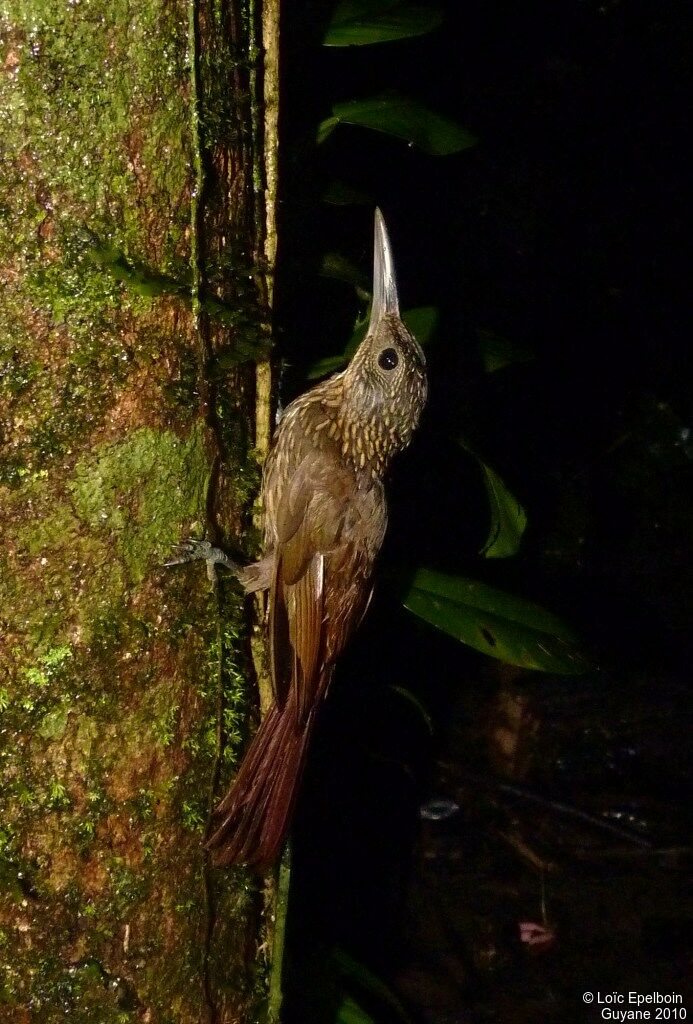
[204, 551]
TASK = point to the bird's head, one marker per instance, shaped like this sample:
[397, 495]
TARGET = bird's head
[385, 383]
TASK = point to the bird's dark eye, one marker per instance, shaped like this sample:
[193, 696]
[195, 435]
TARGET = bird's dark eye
[388, 359]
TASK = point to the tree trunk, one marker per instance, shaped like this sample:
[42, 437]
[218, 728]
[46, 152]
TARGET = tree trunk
[137, 206]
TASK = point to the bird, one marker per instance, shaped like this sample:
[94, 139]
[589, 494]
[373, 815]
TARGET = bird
[324, 519]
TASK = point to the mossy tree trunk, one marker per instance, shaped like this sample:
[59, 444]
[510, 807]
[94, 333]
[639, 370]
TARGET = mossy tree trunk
[134, 282]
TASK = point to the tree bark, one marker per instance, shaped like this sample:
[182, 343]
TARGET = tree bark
[136, 257]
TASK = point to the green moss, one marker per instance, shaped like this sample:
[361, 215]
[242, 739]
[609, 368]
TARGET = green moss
[128, 886]
[194, 814]
[100, 98]
[82, 992]
[91, 79]
[52, 539]
[110, 721]
[158, 713]
[34, 693]
[140, 490]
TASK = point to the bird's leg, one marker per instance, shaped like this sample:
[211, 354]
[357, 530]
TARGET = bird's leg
[204, 551]
[252, 577]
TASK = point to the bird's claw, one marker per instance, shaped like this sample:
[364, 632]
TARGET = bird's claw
[204, 551]
[191, 551]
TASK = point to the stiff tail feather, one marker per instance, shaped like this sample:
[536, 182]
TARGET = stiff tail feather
[255, 814]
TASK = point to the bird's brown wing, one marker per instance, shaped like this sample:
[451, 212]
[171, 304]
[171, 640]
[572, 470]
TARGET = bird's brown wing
[310, 527]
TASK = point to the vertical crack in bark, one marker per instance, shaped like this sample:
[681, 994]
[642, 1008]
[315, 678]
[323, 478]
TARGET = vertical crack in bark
[210, 904]
[255, 212]
[209, 415]
[277, 895]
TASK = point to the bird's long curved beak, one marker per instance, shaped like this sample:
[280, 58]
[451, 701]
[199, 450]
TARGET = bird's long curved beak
[385, 298]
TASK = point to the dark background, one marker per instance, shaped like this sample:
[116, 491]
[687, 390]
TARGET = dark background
[562, 232]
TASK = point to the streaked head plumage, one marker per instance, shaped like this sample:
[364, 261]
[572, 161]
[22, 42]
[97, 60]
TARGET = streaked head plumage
[386, 379]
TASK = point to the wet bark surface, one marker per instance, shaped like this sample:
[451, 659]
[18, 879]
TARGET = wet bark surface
[132, 297]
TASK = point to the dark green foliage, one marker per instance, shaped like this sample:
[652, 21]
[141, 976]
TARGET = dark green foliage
[402, 117]
[506, 637]
[495, 622]
[508, 517]
[555, 254]
[364, 22]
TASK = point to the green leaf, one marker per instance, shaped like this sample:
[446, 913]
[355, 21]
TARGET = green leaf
[421, 321]
[404, 118]
[497, 352]
[495, 622]
[339, 268]
[364, 22]
[508, 518]
[340, 193]
[323, 367]
[405, 692]
[349, 1012]
[326, 127]
[369, 982]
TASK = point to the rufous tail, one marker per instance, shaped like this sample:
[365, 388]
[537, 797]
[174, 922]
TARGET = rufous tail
[253, 818]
